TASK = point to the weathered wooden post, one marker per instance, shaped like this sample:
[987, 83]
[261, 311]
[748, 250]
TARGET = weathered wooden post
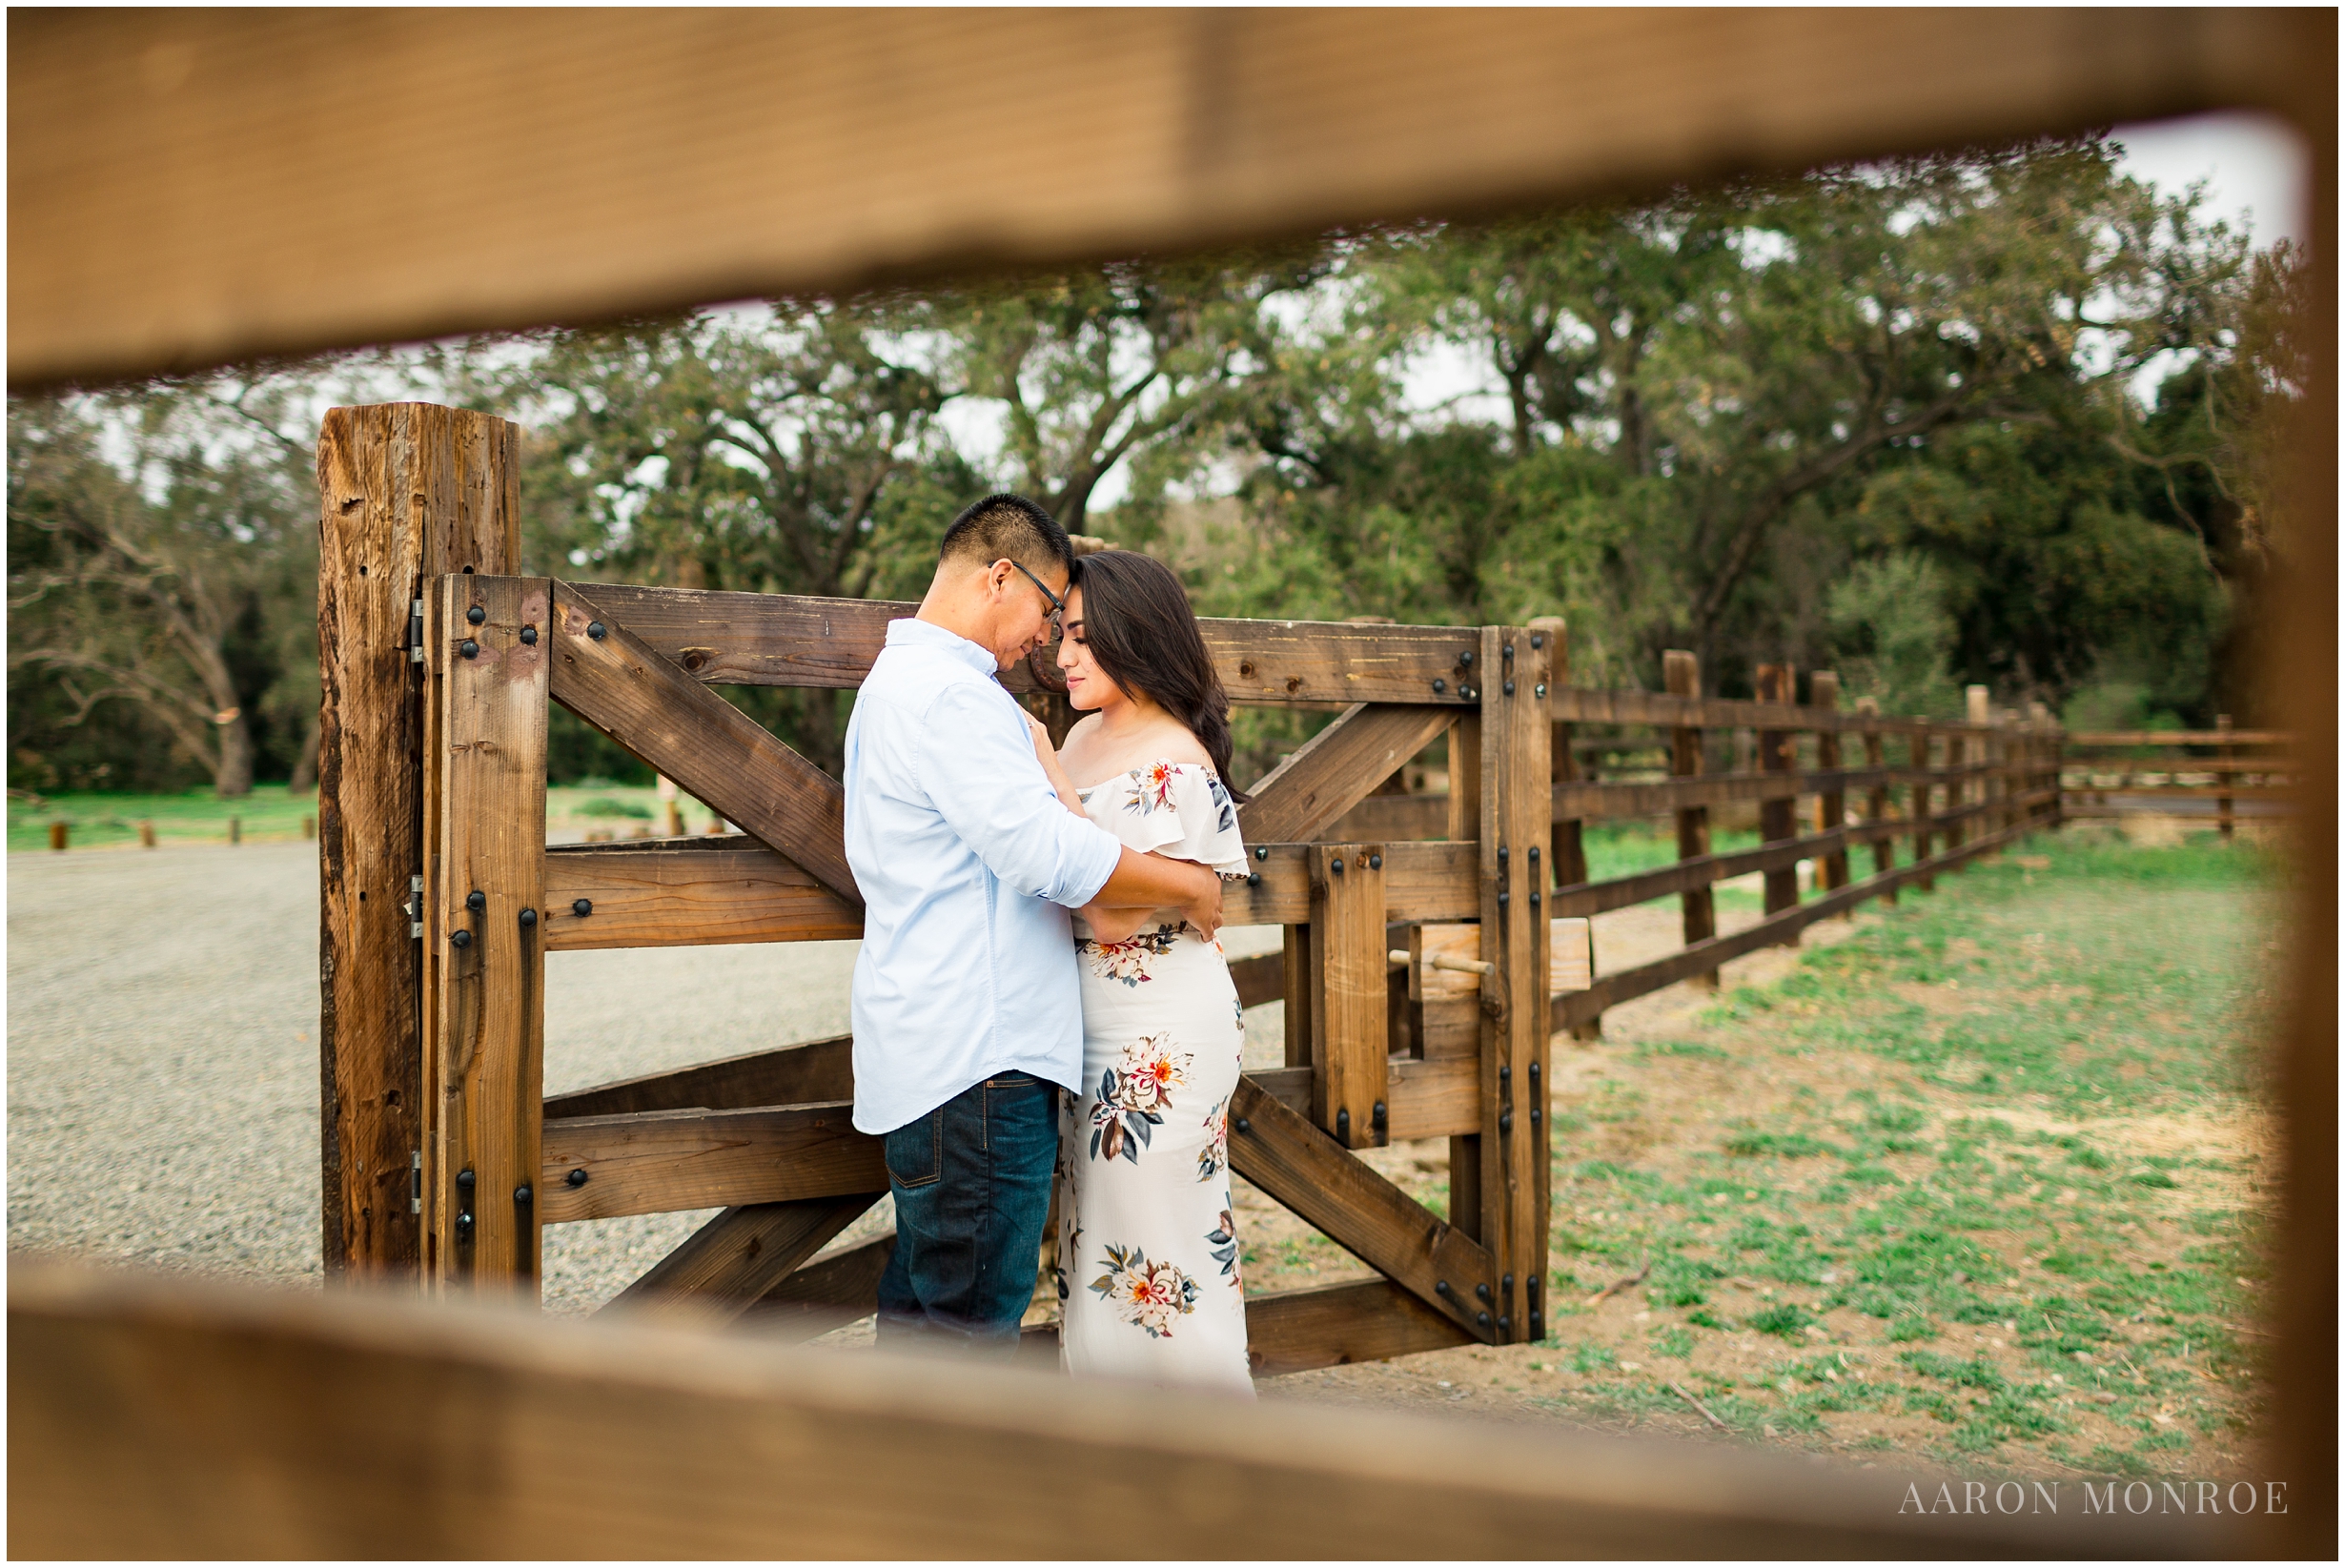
[1778, 817]
[407, 492]
[1517, 811]
[486, 645]
[1350, 1009]
[58, 835]
[1921, 755]
[1876, 801]
[1831, 805]
[1978, 714]
[1681, 677]
[2223, 776]
[1567, 848]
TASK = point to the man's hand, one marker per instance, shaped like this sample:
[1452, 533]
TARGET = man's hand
[1204, 909]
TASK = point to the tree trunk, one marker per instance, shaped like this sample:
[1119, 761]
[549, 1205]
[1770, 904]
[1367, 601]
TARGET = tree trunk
[231, 772]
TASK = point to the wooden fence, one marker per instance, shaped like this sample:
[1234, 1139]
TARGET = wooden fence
[1417, 971]
[1239, 128]
[2202, 775]
[159, 1417]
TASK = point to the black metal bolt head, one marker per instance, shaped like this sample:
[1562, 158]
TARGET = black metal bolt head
[1335, 868]
[1507, 1079]
[476, 900]
[465, 1180]
[1534, 1118]
[1440, 686]
[1261, 852]
[1377, 1118]
[529, 635]
[1243, 1125]
[583, 908]
[1465, 659]
[1343, 1124]
[595, 630]
[1507, 650]
[1481, 1293]
[1501, 898]
[1538, 639]
[1505, 1323]
[476, 615]
[1375, 862]
[459, 938]
[522, 1194]
[529, 917]
[576, 1178]
[469, 648]
[1507, 1123]
[1508, 687]
[1533, 898]
[1253, 879]
[1540, 691]
[1481, 1320]
[1440, 1287]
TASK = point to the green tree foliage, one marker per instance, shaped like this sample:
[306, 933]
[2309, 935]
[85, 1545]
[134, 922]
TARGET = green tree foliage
[162, 596]
[2003, 416]
[1712, 405]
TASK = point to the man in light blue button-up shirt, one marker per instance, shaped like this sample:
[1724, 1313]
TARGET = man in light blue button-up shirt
[965, 1000]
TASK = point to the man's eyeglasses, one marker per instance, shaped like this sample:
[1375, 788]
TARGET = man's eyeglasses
[1058, 606]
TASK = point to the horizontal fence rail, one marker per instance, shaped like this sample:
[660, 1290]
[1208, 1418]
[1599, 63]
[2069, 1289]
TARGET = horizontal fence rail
[2198, 775]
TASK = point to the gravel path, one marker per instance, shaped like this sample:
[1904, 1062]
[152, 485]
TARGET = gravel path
[162, 1068]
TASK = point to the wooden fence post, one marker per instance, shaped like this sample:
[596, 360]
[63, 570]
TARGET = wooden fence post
[1567, 849]
[1975, 785]
[406, 492]
[1779, 819]
[2044, 764]
[1517, 810]
[1876, 801]
[1832, 805]
[1350, 1028]
[2223, 776]
[484, 929]
[1921, 754]
[1681, 677]
[1466, 1168]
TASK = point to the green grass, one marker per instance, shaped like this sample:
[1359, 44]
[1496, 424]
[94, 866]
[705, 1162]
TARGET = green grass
[111, 821]
[1929, 1164]
[272, 813]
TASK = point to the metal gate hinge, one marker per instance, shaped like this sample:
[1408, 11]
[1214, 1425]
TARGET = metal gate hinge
[413, 909]
[415, 1181]
[414, 632]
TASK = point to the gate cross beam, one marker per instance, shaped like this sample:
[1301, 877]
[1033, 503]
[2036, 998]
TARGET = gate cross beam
[718, 754]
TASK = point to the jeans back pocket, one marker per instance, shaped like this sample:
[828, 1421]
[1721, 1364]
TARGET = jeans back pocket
[914, 1152]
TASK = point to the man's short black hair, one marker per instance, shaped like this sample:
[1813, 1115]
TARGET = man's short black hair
[1005, 525]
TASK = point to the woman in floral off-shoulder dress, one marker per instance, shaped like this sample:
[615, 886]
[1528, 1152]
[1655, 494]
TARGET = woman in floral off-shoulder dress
[1147, 1252]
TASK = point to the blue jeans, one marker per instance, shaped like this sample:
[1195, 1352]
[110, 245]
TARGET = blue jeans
[972, 1181]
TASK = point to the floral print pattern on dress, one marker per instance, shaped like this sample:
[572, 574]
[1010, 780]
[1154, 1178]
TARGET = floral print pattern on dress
[1214, 1158]
[1127, 960]
[1151, 787]
[1150, 1296]
[1222, 1238]
[1133, 1096]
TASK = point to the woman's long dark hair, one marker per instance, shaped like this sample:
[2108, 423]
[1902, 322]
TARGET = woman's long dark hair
[1137, 623]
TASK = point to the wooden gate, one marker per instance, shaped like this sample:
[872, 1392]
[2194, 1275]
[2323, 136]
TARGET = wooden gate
[1415, 970]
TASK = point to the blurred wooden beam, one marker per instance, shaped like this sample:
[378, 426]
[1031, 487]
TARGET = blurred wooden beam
[162, 1417]
[190, 187]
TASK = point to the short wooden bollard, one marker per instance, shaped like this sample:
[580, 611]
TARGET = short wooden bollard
[308, 828]
[145, 835]
[57, 835]
[236, 830]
